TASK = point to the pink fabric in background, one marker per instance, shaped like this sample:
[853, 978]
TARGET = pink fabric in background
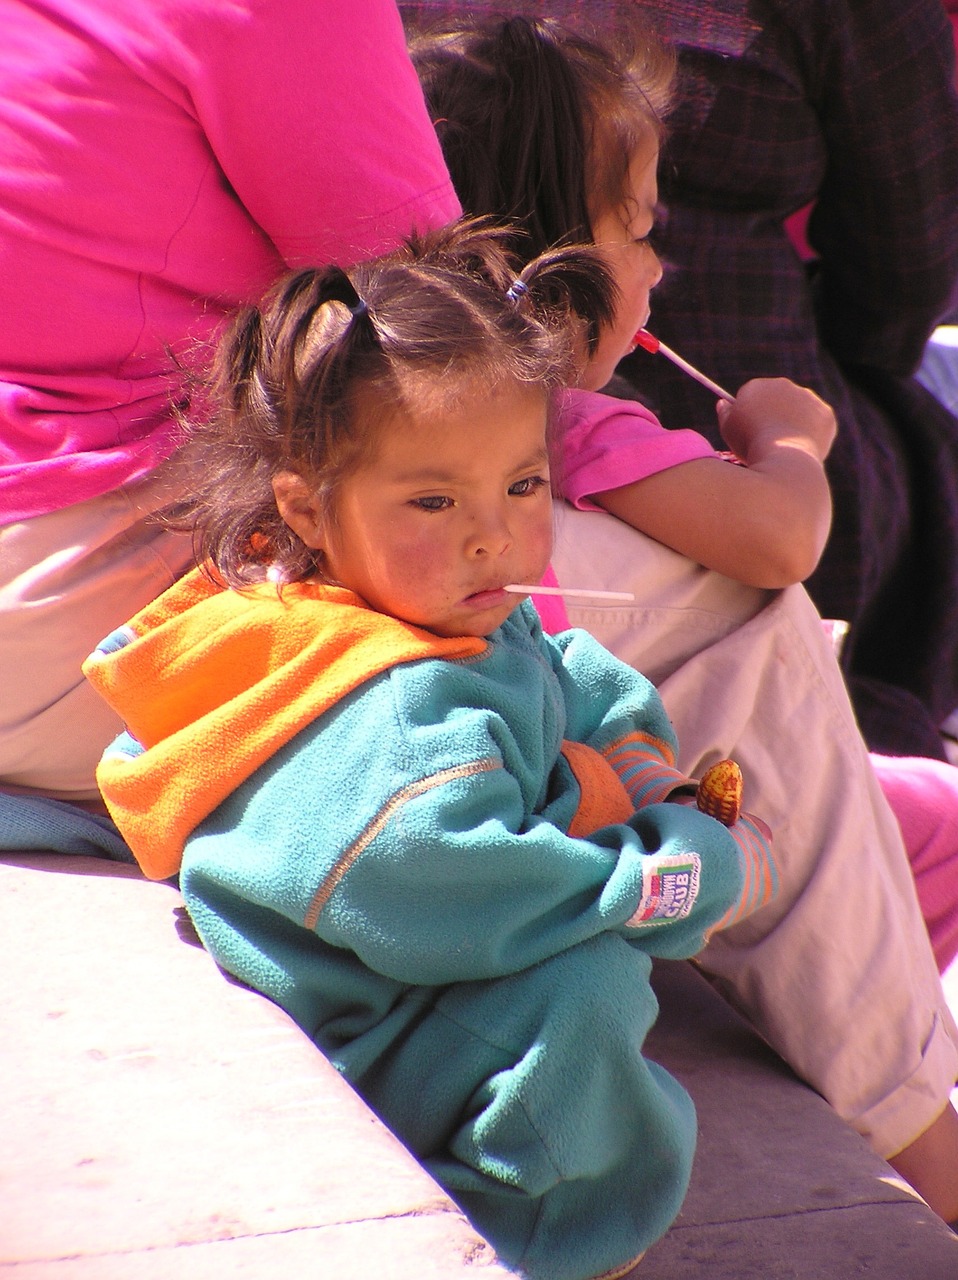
[551, 610]
[797, 226]
[951, 8]
[922, 794]
[161, 161]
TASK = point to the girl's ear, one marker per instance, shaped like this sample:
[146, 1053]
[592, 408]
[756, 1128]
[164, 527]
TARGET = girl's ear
[300, 508]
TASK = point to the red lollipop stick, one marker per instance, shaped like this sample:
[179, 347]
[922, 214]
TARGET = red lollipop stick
[648, 342]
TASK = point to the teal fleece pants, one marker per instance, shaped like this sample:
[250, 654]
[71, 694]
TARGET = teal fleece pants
[528, 1098]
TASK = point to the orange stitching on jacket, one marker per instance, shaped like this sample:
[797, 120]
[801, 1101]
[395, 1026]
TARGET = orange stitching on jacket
[373, 828]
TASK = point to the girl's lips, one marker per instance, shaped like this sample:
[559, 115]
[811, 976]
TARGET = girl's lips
[490, 599]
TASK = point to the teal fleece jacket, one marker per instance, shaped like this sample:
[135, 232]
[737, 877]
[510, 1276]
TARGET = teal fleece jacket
[453, 879]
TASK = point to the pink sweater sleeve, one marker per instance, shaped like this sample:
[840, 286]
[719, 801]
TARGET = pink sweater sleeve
[166, 159]
[604, 443]
[316, 117]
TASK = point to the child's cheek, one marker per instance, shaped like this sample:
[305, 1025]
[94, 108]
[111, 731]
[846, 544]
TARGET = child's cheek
[543, 535]
[420, 560]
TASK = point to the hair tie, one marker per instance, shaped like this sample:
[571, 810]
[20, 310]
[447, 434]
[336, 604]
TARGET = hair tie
[356, 304]
[343, 290]
[516, 290]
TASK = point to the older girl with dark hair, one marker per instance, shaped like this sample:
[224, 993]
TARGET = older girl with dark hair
[742, 671]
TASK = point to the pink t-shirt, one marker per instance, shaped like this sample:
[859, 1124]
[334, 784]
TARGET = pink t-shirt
[161, 161]
[603, 443]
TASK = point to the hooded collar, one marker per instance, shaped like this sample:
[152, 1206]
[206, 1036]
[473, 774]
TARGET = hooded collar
[212, 682]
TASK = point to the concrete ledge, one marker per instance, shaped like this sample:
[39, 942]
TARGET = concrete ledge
[781, 1187]
[160, 1120]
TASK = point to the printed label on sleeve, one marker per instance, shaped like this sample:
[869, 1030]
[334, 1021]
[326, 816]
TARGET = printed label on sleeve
[670, 885]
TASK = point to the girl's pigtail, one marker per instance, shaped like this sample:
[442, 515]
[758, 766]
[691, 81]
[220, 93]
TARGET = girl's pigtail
[335, 286]
[231, 538]
[572, 279]
[297, 311]
[513, 124]
[479, 245]
[318, 345]
[542, 134]
[242, 384]
[283, 378]
[352, 301]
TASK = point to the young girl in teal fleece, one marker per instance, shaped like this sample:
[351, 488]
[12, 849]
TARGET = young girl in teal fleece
[446, 843]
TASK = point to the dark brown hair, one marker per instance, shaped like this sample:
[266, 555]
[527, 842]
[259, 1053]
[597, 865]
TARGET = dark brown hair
[449, 313]
[539, 123]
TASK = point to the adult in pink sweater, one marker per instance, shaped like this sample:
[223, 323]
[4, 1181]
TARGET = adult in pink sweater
[161, 161]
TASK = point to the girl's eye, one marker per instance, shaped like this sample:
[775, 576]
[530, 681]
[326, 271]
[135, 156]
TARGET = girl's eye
[523, 488]
[437, 503]
[650, 237]
[660, 221]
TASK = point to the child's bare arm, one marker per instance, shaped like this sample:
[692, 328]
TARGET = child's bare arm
[765, 523]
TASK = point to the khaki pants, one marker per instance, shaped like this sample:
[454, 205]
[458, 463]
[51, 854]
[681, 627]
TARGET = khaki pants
[67, 580]
[837, 973]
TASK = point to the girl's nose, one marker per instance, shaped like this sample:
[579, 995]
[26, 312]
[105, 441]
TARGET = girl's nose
[657, 271]
[490, 537]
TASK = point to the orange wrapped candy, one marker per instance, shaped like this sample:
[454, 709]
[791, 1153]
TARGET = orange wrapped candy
[719, 794]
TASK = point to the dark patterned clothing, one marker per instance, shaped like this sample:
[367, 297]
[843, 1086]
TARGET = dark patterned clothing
[850, 105]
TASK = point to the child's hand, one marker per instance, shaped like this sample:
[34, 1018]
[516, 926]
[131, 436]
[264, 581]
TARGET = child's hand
[764, 523]
[769, 413]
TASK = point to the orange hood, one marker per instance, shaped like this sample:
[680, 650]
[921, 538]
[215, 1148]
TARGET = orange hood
[211, 683]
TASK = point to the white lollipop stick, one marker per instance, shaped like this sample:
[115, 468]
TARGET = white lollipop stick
[527, 589]
[649, 342]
